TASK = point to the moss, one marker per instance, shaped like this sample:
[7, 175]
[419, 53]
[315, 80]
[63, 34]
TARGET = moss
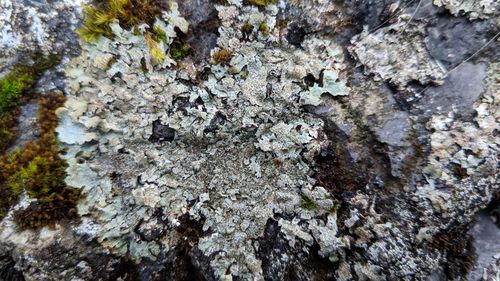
[110, 63]
[128, 13]
[307, 203]
[247, 29]
[222, 56]
[221, 2]
[12, 87]
[156, 51]
[244, 74]
[261, 3]
[15, 89]
[264, 29]
[39, 170]
[179, 51]
[161, 35]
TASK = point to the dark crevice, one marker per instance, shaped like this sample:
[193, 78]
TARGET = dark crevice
[459, 249]
[8, 272]
[296, 265]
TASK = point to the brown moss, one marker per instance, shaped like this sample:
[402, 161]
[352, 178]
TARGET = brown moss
[39, 170]
[222, 56]
[8, 129]
[247, 30]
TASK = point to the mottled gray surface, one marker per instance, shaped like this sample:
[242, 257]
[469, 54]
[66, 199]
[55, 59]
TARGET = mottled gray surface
[487, 243]
[343, 145]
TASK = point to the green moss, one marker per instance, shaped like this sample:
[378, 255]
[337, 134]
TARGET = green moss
[15, 88]
[261, 3]
[12, 87]
[161, 35]
[247, 29]
[307, 203]
[42, 63]
[264, 29]
[179, 51]
[128, 13]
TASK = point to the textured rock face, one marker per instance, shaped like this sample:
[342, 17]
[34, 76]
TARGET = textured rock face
[321, 150]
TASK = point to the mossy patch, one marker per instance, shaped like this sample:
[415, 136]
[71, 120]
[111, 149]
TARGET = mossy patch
[39, 170]
[222, 56]
[15, 89]
[12, 87]
[128, 13]
[36, 168]
[264, 29]
[307, 203]
[261, 3]
[180, 51]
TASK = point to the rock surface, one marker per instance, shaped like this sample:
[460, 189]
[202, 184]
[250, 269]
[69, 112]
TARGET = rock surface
[341, 141]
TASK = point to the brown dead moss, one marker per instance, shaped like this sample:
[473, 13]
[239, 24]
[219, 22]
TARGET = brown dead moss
[222, 56]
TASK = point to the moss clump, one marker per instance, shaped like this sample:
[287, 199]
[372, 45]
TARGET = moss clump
[264, 29]
[222, 56]
[14, 91]
[8, 129]
[156, 51]
[38, 169]
[261, 3]
[161, 35]
[128, 13]
[247, 29]
[179, 51]
[307, 203]
[12, 87]
[222, 2]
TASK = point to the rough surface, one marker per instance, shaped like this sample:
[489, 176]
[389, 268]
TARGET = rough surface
[345, 143]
